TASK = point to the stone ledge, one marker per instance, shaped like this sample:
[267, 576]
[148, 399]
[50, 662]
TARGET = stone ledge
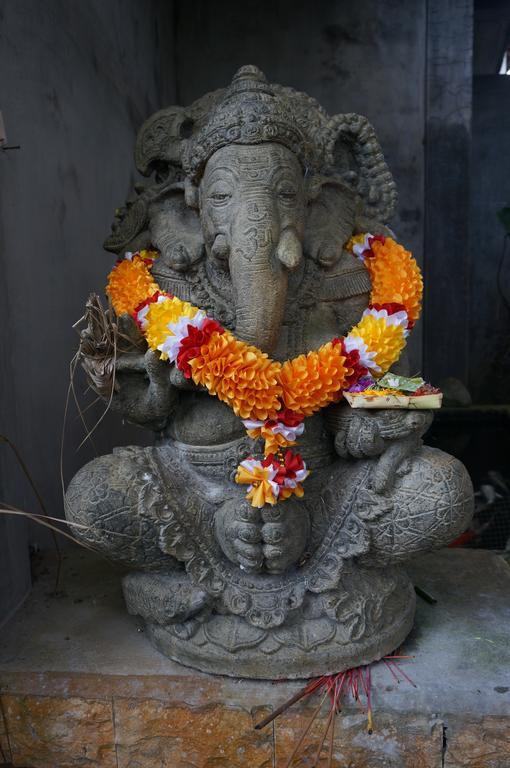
[81, 686]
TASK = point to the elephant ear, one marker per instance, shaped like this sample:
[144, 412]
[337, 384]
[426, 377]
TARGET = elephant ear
[174, 227]
[356, 189]
[355, 156]
[160, 143]
[159, 149]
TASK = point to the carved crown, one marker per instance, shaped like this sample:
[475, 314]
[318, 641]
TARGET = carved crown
[251, 111]
[176, 143]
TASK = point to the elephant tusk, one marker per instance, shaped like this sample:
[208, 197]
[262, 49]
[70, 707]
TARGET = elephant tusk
[289, 250]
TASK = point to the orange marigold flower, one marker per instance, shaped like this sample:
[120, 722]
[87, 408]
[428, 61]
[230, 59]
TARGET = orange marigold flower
[240, 375]
[130, 283]
[395, 277]
[312, 381]
[387, 341]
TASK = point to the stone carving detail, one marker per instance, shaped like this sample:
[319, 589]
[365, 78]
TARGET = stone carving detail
[253, 192]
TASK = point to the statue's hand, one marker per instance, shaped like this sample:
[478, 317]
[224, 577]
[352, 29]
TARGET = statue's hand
[129, 337]
[392, 435]
[145, 394]
[270, 539]
[365, 433]
[284, 535]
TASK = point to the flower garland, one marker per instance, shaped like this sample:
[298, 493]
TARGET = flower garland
[272, 398]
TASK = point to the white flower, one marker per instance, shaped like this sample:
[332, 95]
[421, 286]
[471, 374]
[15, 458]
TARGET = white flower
[252, 424]
[366, 357]
[289, 433]
[360, 248]
[301, 475]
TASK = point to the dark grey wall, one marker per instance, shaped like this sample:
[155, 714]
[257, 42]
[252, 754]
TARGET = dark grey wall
[77, 80]
[407, 66]
[366, 57]
[447, 189]
[489, 333]
[492, 35]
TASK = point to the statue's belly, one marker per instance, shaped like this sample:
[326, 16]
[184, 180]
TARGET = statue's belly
[204, 420]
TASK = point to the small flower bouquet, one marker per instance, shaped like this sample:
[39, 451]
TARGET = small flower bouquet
[392, 391]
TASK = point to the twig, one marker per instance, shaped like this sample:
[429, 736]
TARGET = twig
[5, 439]
[41, 520]
[310, 688]
[303, 735]
[425, 595]
[323, 739]
[9, 509]
[391, 670]
[406, 676]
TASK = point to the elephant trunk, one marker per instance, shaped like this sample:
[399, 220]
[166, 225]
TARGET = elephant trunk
[260, 257]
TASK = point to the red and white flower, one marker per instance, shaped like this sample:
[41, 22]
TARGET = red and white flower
[179, 331]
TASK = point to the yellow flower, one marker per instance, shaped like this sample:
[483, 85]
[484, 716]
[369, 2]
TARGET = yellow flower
[273, 442]
[354, 240]
[162, 313]
[240, 375]
[314, 380]
[286, 493]
[130, 283]
[261, 491]
[387, 341]
[144, 254]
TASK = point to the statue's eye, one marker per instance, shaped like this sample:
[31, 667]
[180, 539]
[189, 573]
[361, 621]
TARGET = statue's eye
[220, 197]
[287, 195]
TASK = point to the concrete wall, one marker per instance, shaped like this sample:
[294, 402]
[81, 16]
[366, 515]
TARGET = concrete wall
[77, 80]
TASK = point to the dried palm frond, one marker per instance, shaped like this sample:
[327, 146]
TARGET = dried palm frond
[103, 340]
[98, 345]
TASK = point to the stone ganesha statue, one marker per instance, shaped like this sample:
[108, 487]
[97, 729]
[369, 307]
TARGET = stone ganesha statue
[255, 192]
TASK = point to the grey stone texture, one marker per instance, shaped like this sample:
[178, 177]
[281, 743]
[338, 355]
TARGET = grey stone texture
[255, 192]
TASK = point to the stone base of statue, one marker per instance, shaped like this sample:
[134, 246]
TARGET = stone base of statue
[327, 591]
[362, 626]
[80, 684]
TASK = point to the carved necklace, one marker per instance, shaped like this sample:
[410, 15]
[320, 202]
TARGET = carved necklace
[274, 398]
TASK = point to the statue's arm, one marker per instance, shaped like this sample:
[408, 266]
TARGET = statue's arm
[144, 393]
[124, 372]
[390, 436]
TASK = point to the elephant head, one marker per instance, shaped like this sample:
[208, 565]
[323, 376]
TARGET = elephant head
[252, 202]
[249, 182]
